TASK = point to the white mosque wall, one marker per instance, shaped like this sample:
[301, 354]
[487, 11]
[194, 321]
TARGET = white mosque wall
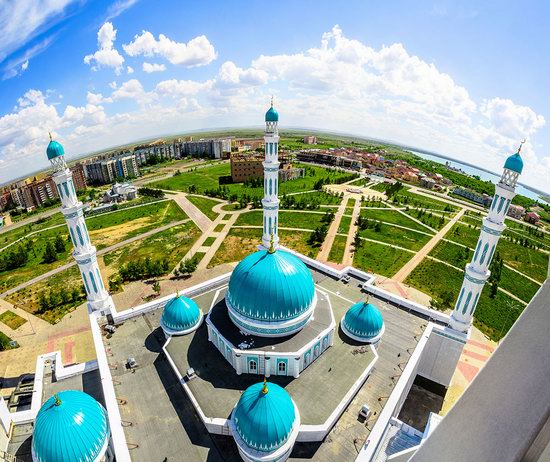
[6, 424]
[441, 355]
[396, 399]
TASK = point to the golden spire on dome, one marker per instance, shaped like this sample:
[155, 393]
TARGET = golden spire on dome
[50, 134]
[57, 400]
[271, 244]
[264, 388]
[271, 100]
[521, 145]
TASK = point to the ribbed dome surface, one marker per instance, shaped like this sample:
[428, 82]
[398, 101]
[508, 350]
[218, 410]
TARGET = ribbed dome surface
[54, 150]
[363, 320]
[180, 314]
[264, 421]
[271, 115]
[271, 287]
[74, 430]
[514, 163]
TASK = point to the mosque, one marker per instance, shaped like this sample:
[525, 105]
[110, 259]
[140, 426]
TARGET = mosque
[271, 356]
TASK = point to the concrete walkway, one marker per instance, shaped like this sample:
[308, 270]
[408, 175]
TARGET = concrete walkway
[349, 251]
[333, 230]
[99, 252]
[408, 267]
[192, 211]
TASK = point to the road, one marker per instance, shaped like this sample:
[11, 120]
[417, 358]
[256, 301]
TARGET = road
[407, 269]
[332, 231]
[99, 252]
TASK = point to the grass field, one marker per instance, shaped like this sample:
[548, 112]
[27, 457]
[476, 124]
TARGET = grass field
[4, 342]
[396, 236]
[380, 259]
[492, 315]
[394, 216]
[433, 221]
[209, 241]
[219, 227]
[344, 225]
[405, 196]
[204, 204]
[202, 178]
[8, 237]
[451, 253]
[171, 244]
[12, 320]
[336, 253]
[303, 220]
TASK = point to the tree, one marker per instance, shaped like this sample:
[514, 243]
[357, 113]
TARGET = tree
[76, 293]
[156, 287]
[59, 244]
[50, 255]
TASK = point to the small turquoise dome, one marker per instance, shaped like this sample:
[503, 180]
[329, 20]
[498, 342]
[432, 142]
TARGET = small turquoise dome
[70, 426]
[180, 315]
[271, 115]
[271, 287]
[54, 150]
[514, 163]
[363, 322]
[264, 416]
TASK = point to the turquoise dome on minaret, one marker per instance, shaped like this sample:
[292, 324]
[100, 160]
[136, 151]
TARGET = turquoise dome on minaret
[271, 292]
[514, 163]
[271, 115]
[264, 417]
[70, 426]
[54, 150]
[363, 322]
[180, 316]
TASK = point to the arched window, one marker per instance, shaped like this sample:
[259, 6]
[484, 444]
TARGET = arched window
[93, 281]
[491, 254]
[275, 230]
[65, 188]
[500, 204]
[459, 299]
[477, 249]
[60, 191]
[495, 200]
[79, 235]
[269, 230]
[282, 368]
[468, 298]
[99, 278]
[474, 304]
[265, 225]
[484, 253]
[85, 284]
[252, 367]
[72, 236]
[270, 187]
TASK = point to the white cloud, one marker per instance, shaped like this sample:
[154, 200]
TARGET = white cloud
[106, 55]
[130, 70]
[97, 98]
[118, 7]
[154, 67]
[17, 65]
[197, 52]
[25, 65]
[229, 75]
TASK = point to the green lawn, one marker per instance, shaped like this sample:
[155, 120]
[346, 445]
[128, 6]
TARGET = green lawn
[4, 342]
[405, 197]
[451, 253]
[344, 225]
[518, 285]
[393, 216]
[209, 241]
[396, 236]
[219, 227]
[380, 259]
[12, 320]
[202, 178]
[440, 281]
[302, 220]
[433, 221]
[204, 204]
[337, 250]
[312, 200]
[8, 236]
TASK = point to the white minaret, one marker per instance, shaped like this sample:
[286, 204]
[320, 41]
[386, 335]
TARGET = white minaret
[477, 271]
[84, 252]
[270, 202]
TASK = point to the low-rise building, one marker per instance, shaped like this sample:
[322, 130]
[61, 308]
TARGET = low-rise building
[482, 199]
[248, 144]
[310, 139]
[120, 192]
[516, 211]
[246, 166]
[532, 217]
[428, 183]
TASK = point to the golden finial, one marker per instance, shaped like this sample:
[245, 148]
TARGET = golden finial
[271, 100]
[264, 388]
[367, 298]
[272, 244]
[521, 145]
[50, 133]
[177, 293]
[57, 400]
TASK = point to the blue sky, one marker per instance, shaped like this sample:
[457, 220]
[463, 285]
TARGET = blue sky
[467, 80]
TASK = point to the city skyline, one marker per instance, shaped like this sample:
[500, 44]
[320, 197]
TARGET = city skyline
[99, 75]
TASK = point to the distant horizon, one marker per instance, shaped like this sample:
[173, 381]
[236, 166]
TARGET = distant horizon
[260, 128]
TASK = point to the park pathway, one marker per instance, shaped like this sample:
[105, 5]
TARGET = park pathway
[333, 230]
[99, 252]
[349, 251]
[408, 268]
[199, 218]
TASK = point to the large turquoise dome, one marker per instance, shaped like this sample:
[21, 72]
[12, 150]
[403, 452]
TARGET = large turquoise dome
[70, 426]
[180, 316]
[271, 115]
[514, 163]
[271, 293]
[363, 322]
[54, 150]
[264, 417]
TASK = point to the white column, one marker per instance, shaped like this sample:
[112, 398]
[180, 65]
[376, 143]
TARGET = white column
[84, 252]
[270, 202]
[477, 271]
